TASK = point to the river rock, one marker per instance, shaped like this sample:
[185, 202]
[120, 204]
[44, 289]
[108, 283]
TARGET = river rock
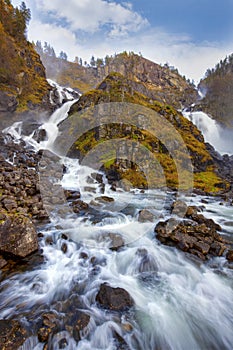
[115, 240]
[12, 334]
[104, 199]
[115, 299]
[79, 321]
[195, 234]
[229, 255]
[179, 208]
[18, 236]
[3, 262]
[145, 216]
[79, 206]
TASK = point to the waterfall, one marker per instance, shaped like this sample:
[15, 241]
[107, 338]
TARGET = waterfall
[213, 133]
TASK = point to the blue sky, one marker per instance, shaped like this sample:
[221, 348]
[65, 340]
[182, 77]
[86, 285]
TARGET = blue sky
[191, 35]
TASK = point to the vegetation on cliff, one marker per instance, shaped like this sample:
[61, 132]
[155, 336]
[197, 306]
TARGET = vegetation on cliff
[161, 83]
[217, 88]
[117, 88]
[22, 76]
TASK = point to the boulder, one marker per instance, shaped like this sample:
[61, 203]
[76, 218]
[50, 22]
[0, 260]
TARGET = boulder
[3, 262]
[179, 208]
[229, 255]
[145, 216]
[18, 236]
[12, 334]
[79, 206]
[115, 299]
[104, 199]
[115, 240]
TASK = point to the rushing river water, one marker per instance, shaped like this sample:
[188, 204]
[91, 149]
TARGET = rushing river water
[179, 303]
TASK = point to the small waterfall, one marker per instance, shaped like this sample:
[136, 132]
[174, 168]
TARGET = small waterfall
[212, 131]
[50, 128]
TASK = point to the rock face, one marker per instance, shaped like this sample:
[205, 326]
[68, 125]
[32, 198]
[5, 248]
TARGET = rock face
[115, 299]
[18, 236]
[217, 90]
[194, 234]
[163, 84]
[23, 83]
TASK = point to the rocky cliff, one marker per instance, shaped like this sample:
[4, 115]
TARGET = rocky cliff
[118, 88]
[217, 88]
[23, 84]
[159, 83]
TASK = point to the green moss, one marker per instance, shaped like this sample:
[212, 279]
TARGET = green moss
[208, 181]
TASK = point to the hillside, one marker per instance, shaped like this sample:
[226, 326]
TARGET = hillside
[160, 83]
[118, 88]
[23, 84]
[217, 88]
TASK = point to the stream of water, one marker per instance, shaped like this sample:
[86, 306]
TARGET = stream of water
[179, 304]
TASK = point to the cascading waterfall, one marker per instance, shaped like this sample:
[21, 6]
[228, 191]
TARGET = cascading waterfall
[213, 133]
[178, 304]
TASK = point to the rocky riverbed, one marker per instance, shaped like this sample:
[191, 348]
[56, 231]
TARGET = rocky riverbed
[21, 215]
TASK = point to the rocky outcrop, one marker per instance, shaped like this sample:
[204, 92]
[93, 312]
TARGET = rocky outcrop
[194, 234]
[114, 299]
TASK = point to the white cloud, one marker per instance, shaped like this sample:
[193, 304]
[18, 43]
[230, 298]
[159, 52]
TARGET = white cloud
[90, 16]
[107, 27]
[58, 37]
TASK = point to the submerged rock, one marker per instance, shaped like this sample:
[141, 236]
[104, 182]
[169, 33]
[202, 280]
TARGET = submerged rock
[115, 299]
[114, 240]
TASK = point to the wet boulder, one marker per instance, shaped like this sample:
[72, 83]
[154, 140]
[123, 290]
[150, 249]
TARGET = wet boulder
[145, 216]
[146, 261]
[12, 334]
[115, 299]
[3, 262]
[104, 199]
[179, 208]
[115, 241]
[229, 255]
[195, 234]
[79, 206]
[18, 236]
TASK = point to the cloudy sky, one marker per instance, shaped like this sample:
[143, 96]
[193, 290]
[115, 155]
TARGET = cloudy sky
[191, 35]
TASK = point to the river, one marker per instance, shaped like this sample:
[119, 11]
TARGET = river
[180, 304]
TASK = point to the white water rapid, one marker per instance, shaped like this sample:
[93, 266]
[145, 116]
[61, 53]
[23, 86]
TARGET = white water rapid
[220, 138]
[179, 303]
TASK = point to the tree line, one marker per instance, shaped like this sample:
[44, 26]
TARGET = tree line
[14, 20]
